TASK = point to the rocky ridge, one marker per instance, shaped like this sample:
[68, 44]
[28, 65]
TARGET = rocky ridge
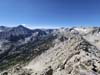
[64, 51]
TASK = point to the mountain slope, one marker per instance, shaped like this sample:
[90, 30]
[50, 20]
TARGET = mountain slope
[73, 56]
[52, 52]
[91, 34]
[20, 51]
[15, 33]
[3, 28]
[19, 35]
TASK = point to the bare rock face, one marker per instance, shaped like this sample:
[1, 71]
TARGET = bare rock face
[17, 70]
[48, 71]
[69, 54]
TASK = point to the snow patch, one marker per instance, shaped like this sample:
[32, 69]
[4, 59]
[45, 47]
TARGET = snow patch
[83, 30]
[1, 30]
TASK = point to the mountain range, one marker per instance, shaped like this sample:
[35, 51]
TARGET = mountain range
[63, 51]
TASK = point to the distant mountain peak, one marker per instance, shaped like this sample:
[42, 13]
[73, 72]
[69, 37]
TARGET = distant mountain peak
[20, 26]
[4, 28]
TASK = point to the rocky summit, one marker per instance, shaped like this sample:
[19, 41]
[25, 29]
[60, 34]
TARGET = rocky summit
[63, 51]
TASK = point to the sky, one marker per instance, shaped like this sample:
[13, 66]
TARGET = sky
[50, 13]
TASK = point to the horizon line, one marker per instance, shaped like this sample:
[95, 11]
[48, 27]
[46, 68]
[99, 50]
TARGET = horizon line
[40, 26]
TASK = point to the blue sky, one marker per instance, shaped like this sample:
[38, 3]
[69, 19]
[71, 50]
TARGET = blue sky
[50, 13]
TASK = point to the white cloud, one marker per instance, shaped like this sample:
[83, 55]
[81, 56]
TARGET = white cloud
[40, 26]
